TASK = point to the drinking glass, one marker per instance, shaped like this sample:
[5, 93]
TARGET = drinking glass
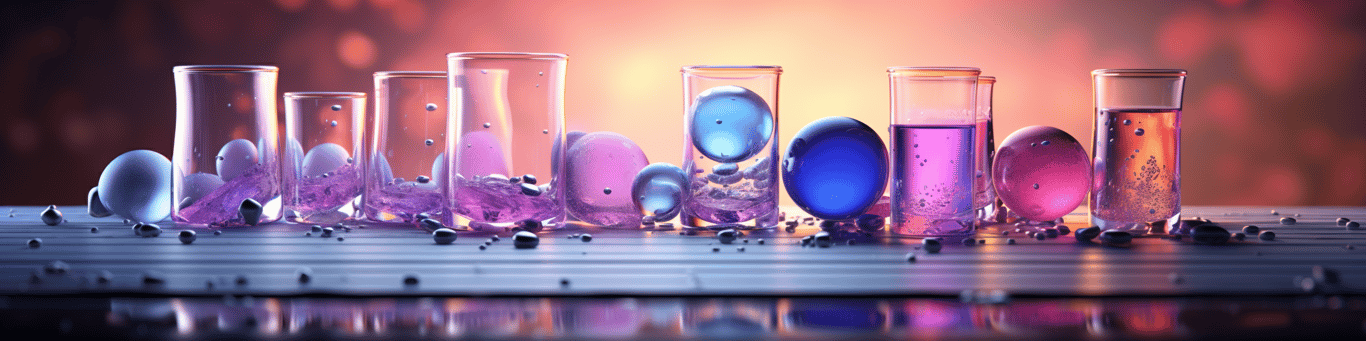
[730, 129]
[407, 140]
[323, 185]
[507, 132]
[1136, 149]
[226, 144]
[934, 118]
[985, 148]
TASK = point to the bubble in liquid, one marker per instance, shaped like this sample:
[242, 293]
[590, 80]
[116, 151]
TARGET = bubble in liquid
[431, 106]
[324, 158]
[1019, 171]
[594, 164]
[545, 131]
[336, 107]
[725, 169]
[1138, 131]
[835, 168]
[658, 190]
[428, 142]
[746, 129]
[486, 124]
[1126, 122]
[334, 123]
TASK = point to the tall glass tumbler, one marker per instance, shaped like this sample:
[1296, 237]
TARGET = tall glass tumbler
[226, 145]
[322, 185]
[407, 144]
[1136, 184]
[934, 121]
[985, 147]
[730, 128]
[508, 139]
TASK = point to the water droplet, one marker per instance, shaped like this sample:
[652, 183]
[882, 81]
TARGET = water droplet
[431, 106]
[1044, 143]
[1138, 131]
[1126, 122]
[52, 216]
[486, 124]
[336, 107]
[606, 191]
[186, 236]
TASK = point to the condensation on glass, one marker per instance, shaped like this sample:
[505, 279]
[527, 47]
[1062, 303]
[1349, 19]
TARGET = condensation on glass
[730, 122]
[507, 140]
[1136, 149]
[226, 144]
[324, 156]
[933, 128]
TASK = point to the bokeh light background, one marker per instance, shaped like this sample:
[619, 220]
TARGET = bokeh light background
[1274, 102]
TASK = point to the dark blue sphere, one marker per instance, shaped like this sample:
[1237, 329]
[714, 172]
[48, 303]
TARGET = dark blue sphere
[835, 168]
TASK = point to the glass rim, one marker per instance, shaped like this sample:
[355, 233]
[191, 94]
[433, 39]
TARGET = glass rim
[507, 55]
[986, 79]
[935, 71]
[324, 94]
[774, 69]
[1138, 73]
[410, 74]
[224, 68]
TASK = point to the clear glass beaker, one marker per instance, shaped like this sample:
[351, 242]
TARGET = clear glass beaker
[407, 142]
[226, 144]
[325, 154]
[1136, 149]
[508, 146]
[730, 128]
[985, 146]
[934, 118]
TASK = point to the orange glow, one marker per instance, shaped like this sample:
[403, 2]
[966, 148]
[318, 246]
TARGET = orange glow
[355, 49]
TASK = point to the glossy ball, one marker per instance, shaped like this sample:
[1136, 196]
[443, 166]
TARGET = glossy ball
[730, 123]
[835, 168]
[235, 158]
[658, 190]
[137, 186]
[602, 160]
[1041, 181]
[324, 158]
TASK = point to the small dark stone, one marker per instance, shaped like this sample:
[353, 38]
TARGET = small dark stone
[35, 243]
[761, 242]
[1343, 221]
[870, 222]
[482, 247]
[910, 258]
[1352, 225]
[807, 240]
[716, 249]
[444, 236]
[1239, 236]
[152, 277]
[564, 282]
[1040, 236]
[1326, 275]
[531, 225]
[1267, 235]
[94, 230]
[149, 230]
[969, 242]
[1251, 229]
[1088, 233]
[241, 279]
[1063, 230]
[217, 233]
[1115, 237]
[495, 238]
[341, 238]
[56, 267]
[529, 189]
[931, 245]
[525, 240]
[726, 236]
[1010, 241]
[586, 237]
[1287, 221]
[530, 179]
[250, 210]
[51, 215]
[829, 225]
[315, 228]
[1209, 234]
[327, 232]
[430, 224]
[822, 239]
[410, 279]
[186, 236]
[1050, 232]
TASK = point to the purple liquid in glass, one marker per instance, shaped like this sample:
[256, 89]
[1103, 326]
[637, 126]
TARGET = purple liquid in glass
[402, 200]
[325, 195]
[985, 143]
[492, 199]
[219, 207]
[1136, 181]
[933, 172]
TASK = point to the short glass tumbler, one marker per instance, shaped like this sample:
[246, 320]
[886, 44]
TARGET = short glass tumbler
[984, 145]
[1136, 149]
[508, 141]
[934, 123]
[226, 145]
[730, 130]
[407, 139]
[325, 156]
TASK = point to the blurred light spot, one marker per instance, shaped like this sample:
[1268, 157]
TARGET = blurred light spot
[1280, 185]
[1347, 175]
[343, 5]
[291, 5]
[1280, 45]
[1232, 3]
[1316, 142]
[1186, 36]
[408, 15]
[23, 136]
[355, 49]
[1229, 107]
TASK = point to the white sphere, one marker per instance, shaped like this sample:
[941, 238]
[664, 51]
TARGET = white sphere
[137, 186]
[236, 157]
[324, 158]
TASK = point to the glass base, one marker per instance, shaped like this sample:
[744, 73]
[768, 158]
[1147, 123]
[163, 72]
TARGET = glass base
[764, 222]
[1138, 228]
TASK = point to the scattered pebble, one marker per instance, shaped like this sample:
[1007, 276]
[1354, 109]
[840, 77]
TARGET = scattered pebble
[1273, 212]
[740, 249]
[94, 230]
[1005, 233]
[186, 236]
[586, 237]
[104, 277]
[1010, 241]
[1287, 221]
[56, 267]
[716, 249]
[410, 279]
[528, 178]
[316, 228]
[308, 234]
[1209, 234]
[1342, 221]
[1239, 236]
[1088, 233]
[531, 225]
[564, 282]
[1325, 275]
[153, 277]
[430, 224]
[1050, 232]
[51, 215]
[242, 280]
[1175, 278]
[1352, 225]
[525, 240]
[850, 242]
[1267, 235]
[760, 241]
[726, 236]
[822, 239]
[250, 211]
[1251, 229]
[870, 222]
[529, 189]
[482, 247]
[443, 236]
[304, 274]
[495, 238]
[217, 233]
[910, 258]
[1115, 237]
[931, 245]
[1040, 236]
[327, 232]
[94, 206]
[806, 240]
[341, 238]
[829, 225]
[149, 230]
[969, 242]
[1064, 230]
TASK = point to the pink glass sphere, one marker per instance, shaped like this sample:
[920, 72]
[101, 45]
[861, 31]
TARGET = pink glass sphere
[1041, 173]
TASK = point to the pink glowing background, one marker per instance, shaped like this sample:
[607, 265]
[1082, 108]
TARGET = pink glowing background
[1273, 107]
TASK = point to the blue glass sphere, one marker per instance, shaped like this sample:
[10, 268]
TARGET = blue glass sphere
[658, 190]
[835, 168]
[730, 123]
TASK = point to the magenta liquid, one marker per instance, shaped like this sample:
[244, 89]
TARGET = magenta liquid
[220, 207]
[1136, 184]
[402, 201]
[933, 175]
[494, 200]
[320, 199]
[985, 146]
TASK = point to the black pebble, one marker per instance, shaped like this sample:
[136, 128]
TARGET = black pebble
[35, 243]
[410, 279]
[1209, 234]
[1088, 233]
[1251, 229]
[1116, 237]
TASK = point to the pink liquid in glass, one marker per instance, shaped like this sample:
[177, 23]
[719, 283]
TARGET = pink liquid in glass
[933, 174]
[1137, 176]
